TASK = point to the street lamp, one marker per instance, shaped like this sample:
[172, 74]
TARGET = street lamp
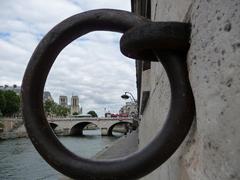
[135, 112]
[125, 96]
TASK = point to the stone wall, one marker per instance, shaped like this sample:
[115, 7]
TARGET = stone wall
[212, 149]
[13, 128]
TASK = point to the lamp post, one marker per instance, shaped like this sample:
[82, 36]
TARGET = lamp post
[125, 96]
[135, 114]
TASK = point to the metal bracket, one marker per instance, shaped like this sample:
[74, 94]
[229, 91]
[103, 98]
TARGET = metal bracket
[170, 47]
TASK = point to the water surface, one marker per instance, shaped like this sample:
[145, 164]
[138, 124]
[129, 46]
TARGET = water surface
[20, 160]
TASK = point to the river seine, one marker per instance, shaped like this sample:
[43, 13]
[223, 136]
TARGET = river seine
[20, 161]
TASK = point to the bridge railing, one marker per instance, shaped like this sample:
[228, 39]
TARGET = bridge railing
[91, 119]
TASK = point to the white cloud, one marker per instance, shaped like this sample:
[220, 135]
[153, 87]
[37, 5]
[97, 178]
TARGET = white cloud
[96, 4]
[91, 67]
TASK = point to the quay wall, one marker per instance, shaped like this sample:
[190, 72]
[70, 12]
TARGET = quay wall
[212, 149]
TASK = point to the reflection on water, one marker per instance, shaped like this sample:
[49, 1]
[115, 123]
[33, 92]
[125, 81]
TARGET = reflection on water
[20, 160]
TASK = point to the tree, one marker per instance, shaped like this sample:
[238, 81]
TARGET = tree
[75, 113]
[93, 113]
[52, 108]
[61, 111]
[12, 103]
[49, 107]
[1, 127]
[2, 102]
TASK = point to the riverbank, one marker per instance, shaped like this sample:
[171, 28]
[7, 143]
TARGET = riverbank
[12, 128]
[21, 133]
[13, 135]
[18, 130]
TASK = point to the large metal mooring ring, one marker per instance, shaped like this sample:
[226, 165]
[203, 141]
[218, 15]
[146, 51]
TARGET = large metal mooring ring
[130, 167]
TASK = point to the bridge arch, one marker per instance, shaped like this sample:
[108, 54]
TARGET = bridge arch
[127, 125]
[77, 129]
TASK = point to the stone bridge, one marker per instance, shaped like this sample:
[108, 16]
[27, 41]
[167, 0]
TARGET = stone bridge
[75, 126]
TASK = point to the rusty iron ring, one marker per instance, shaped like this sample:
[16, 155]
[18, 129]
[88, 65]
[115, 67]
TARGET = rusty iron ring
[139, 42]
[130, 167]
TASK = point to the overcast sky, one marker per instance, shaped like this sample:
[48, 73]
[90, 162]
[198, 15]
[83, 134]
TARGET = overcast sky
[91, 67]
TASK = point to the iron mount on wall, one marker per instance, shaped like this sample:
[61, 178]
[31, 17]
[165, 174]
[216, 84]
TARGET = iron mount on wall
[167, 42]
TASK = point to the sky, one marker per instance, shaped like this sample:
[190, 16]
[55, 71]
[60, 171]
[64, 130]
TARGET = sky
[91, 67]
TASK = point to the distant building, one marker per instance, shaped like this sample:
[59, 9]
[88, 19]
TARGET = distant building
[17, 90]
[47, 96]
[75, 105]
[63, 101]
[130, 109]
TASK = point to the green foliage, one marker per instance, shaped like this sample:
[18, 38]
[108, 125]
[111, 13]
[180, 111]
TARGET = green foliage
[49, 107]
[75, 113]
[12, 103]
[61, 111]
[93, 113]
[52, 108]
[2, 102]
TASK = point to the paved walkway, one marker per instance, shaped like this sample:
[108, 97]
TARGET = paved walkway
[122, 147]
